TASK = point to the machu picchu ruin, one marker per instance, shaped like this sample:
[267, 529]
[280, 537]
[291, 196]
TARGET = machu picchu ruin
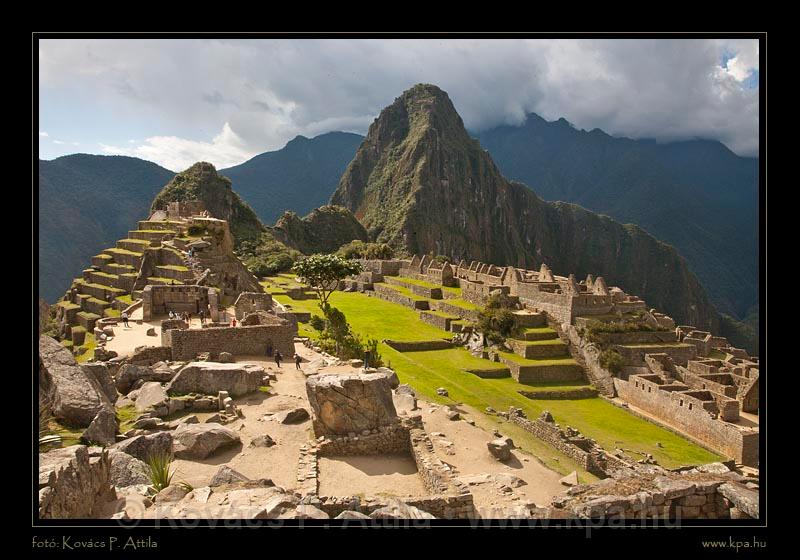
[432, 343]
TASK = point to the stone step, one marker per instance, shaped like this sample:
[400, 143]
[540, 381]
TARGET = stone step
[101, 260]
[117, 269]
[539, 349]
[161, 281]
[173, 271]
[123, 256]
[160, 225]
[99, 291]
[135, 245]
[87, 320]
[538, 333]
[152, 235]
[527, 318]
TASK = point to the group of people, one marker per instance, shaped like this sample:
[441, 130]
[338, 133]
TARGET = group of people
[186, 316]
[278, 357]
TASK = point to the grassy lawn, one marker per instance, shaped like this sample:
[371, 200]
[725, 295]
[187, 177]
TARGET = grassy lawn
[373, 317]
[609, 425]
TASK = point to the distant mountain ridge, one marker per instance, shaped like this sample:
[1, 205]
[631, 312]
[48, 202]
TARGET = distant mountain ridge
[299, 177]
[696, 195]
[420, 183]
[86, 203]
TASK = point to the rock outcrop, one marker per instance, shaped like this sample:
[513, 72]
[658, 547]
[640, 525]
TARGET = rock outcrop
[344, 404]
[127, 470]
[131, 376]
[75, 397]
[210, 378]
[198, 441]
[324, 230]
[241, 500]
[74, 482]
[145, 446]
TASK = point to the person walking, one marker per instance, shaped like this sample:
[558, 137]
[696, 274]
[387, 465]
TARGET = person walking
[278, 358]
[297, 360]
[125, 320]
[202, 317]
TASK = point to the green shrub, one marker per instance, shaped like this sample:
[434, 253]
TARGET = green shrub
[611, 360]
[158, 465]
[497, 320]
[358, 249]
[317, 323]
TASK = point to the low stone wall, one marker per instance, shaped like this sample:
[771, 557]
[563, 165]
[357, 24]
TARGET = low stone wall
[565, 394]
[667, 498]
[494, 373]
[636, 337]
[539, 351]
[634, 355]
[723, 437]
[149, 355]
[445, 307]
[248, 340]
[438, 321]
[544, 374]
[570, 442]
[394, 296]
[389, 440]
[419, 345]
[423, 291]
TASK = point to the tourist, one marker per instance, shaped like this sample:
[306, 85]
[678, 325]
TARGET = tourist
[297, 360]
[278, 358]
[125, 320]
[367, 356]
[202, 317]
[233, 322]
[171, 314]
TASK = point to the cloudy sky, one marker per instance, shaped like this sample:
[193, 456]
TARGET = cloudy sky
[175, 102]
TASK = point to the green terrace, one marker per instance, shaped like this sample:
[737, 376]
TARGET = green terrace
[609, 425]
[118, 251]
[517, 359]
[425, 284]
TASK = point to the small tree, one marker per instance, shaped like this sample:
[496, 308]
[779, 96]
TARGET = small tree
[323, 273]
[496, 320]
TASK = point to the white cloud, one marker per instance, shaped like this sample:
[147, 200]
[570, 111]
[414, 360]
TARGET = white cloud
[59, 142]
[43, 134]
[269, 91]
[177, 154]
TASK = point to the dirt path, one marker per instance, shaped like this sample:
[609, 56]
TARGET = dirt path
[463, 446]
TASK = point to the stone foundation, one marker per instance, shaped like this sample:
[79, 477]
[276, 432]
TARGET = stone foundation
[247, 340]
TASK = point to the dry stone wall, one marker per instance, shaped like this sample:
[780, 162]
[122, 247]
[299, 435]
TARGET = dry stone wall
[243, 340]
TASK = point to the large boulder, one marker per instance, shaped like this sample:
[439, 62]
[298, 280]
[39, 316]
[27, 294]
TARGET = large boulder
[227, 475]
[129, 374]
[240, 500]
[500, 448]
[103, 429]
[198, 441]
[127, 470]
[400, 510]
[144, 446]
[74, 482]
[343, 404]
[151, 396]
[212, 377]
[101, 372]
[74, 396]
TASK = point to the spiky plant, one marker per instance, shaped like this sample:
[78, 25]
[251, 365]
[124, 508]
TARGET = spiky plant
[159, 470]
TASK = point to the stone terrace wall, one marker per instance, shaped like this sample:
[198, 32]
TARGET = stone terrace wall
[584, 452]
[419, 346]
[250, 340]
[723, 437]
[384, 440]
